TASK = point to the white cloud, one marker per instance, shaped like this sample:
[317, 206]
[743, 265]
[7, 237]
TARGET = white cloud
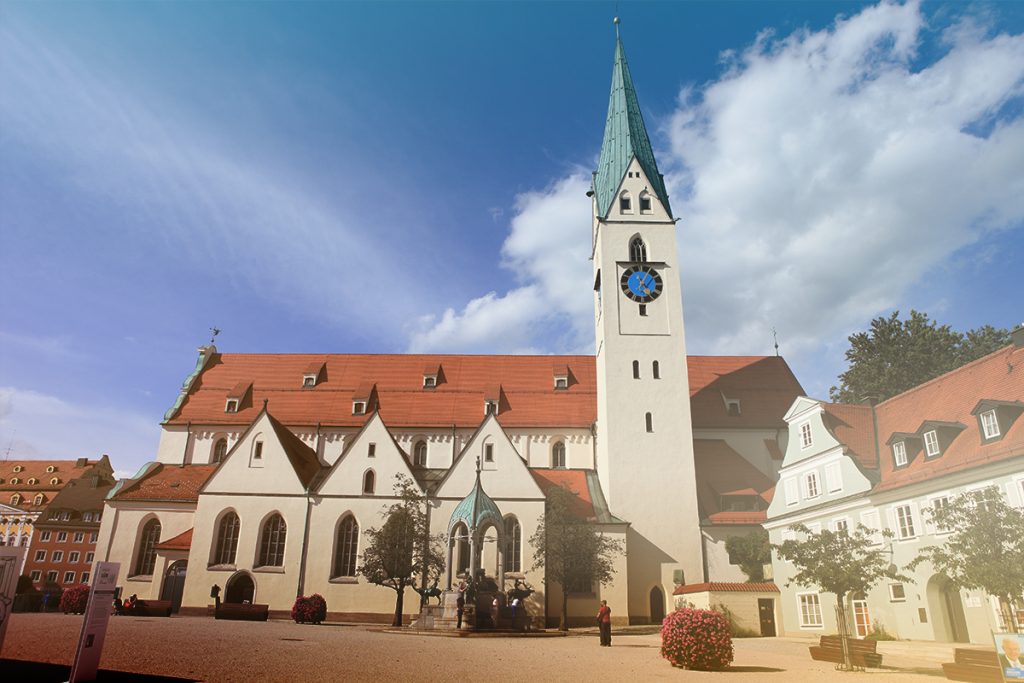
[38, 425]
[818, 179]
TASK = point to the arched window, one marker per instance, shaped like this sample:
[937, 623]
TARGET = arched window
[513, 545]
[15, 499]
[637, 250]
[272, 542]
[636, 369]
[148, 539]
[220, 449]
[32, 481]
[369, 481]
[227, 539]
[625, 202]
[558, 454]
[656, 370]
[650, 422]
[346, 546]
[420, 454]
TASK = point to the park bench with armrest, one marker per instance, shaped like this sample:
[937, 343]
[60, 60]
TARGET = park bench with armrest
[978, 666]
[862, 652]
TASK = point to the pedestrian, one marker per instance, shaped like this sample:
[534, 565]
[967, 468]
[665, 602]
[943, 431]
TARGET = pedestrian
[215, 594]
[460, 605]
[604, 622]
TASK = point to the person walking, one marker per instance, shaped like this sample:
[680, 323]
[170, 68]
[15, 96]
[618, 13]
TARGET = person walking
[604, 622]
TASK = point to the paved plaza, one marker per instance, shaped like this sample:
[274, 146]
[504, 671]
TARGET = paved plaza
[197, 648]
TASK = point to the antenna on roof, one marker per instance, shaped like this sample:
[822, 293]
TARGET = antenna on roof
[215, 331]
[775, 337]
[10, 445]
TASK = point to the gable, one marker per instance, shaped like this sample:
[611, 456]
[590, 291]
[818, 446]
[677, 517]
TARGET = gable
[507, 476]
[272, 472]
[387, 461]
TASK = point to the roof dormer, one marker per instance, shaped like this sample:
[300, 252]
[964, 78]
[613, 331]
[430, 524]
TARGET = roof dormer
[492, 400]
[936, 436]
[905, 446]
[561, 377]
[239, 397]
[364, 399]
[996, 417]
[432, 376]
[313, 374]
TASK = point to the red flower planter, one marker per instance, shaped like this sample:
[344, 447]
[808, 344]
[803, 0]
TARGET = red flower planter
[697, 639]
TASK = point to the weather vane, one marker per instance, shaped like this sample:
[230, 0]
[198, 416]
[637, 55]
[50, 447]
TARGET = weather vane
[215, 331]
[776, 338]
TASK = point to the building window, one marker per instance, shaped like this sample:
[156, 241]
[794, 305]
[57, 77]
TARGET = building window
[636, 369]
[625, 203]
[38, 499]
[371, 451]
[36, 575]
[62, 536]
[833, 477]
[227, 539]
[73, 557]
[65, 516]
[257, 453]
[899, 453]
[346, 547]
[50, 469]
[17, 468]
[93, 537]
[51, 576]
[561, 383]
[32, 481]
[931, 444]
[58, 555]
[220, 449]
[69, 577]
[40, 556]
[429, 382]
[938, 504]
[558, 454]
[843, 527]
[637, 250]
[54, 481]
[369, 481]
[810, 610]
[655, 370]
[811, 488]
[15, 499]
[15, 480]
[792, 493]
[79, 536]
[89, 557]
[650, 422]
[148, 539]
[905, 522]
[420, 454]
[44, 536]
[358, 408]
[85, 577]
[897, 593]
[272, 542]
[645, 202]
[805, 435]
[86, 516]
[643, 310]
[488, 452]
[490, 407]
[513, 545]
[231, 406]
[989, 424]
[309, 381]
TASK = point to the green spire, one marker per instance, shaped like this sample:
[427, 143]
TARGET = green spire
[625, 137]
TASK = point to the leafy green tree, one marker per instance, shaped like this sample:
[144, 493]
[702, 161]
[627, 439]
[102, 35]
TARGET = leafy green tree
[402, 550]
[569, 549]
[751, 552]
[984, 551]
[841, 563]
[895, 355]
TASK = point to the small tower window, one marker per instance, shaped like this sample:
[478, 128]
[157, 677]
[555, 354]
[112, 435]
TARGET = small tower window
[643, 310]
[650, 422]
[645, 202]
[257, 453]
[369, 481]
[636, 369]
[488, 452]
[371, 451]
[420, 454]
[656, 370]
[625, 202]
[637, 250]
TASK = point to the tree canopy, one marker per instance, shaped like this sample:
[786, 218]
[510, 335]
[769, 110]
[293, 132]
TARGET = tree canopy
[402, 550]
[984, 549]
[895, 355]
[571, 550]
[751, 552]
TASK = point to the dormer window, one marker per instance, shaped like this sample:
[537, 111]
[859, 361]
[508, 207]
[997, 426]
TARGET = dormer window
[899, 453]
[561, 383]
[312, 375]
[989, 424]
[645, 202]
[231, 406]
[429, 381]
[308, 381]
[561, 377]
[625, 202]
[32, 481]
[732, 407]
[17, 468]
[15, 480]
[238, 396]
[51, 468]
[358, 407]
[931, 443]
[38, 500]
[805, 435]
[54, 481]
[490, 407]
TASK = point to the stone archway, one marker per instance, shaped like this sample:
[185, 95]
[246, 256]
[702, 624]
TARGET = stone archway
[947, 610]
[240, 588]
[657, 605]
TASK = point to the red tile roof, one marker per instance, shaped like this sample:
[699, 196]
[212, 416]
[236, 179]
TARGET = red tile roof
[722, 471]
[853, 425]
[182, 541]
[575, 480]
[723, 587]
[168, 483]
[738, 518]
[765, 387]
[64, 471]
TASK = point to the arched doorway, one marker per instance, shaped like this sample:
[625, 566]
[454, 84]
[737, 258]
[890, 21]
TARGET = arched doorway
[240, 588]
[657, 605]
[947, 610]
[174, 584]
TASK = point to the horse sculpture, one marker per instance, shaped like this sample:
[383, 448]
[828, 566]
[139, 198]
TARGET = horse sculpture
[427, 593]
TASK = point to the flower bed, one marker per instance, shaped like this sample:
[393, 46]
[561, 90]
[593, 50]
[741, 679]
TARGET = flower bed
[74, 599]
[309, 610]
[696, 639]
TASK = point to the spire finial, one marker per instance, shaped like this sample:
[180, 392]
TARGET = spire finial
[775, 337]
[616, 22]
[213, 336]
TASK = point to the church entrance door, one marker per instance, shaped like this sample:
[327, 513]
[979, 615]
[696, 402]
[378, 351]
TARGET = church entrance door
[174, 584]
[657, 605]
[240, 589]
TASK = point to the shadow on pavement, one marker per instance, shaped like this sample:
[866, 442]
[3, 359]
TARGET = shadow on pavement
[39, 672]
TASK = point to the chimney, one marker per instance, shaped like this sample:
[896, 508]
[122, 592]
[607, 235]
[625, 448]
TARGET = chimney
[1017, 336]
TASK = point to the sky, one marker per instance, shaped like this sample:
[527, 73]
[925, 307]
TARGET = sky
[411, 177]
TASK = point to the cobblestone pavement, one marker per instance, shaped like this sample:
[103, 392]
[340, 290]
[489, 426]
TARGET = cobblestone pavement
[204, 649]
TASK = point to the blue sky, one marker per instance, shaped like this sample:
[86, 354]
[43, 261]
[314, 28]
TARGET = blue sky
[388, 177]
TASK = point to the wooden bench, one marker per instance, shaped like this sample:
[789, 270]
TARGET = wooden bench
[862, 652]
[979, 666]
[242, 612]
[149, 608]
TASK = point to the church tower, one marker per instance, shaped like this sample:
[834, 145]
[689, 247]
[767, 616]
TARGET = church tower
[644, 434]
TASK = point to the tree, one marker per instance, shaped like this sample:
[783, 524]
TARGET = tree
[895, 355]
[751, 552]
[569, 549]
[840, 563]
[985, 549]
[402, 550]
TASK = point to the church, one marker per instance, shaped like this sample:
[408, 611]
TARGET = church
[271, 467]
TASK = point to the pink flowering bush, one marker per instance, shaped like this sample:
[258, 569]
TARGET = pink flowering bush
[696, 639]
[311, 610]
[74, 599]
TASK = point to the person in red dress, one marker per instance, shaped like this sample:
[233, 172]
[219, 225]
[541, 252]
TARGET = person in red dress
[604, 622]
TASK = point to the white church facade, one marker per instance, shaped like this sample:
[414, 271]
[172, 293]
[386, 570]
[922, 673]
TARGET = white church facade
[270, 467]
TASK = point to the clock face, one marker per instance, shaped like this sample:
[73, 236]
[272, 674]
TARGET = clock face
[641, 283]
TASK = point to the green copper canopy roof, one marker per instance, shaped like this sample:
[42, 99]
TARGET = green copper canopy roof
[476, 509]
[625, 137]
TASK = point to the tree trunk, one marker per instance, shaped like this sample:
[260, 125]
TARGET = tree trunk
[843, 626]
[399, 600]
[1007, 609]
[563, 624]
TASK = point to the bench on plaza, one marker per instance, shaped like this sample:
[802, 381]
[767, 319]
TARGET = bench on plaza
[242, 612]
[862, 652]
[980, 666]
[149, 608]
